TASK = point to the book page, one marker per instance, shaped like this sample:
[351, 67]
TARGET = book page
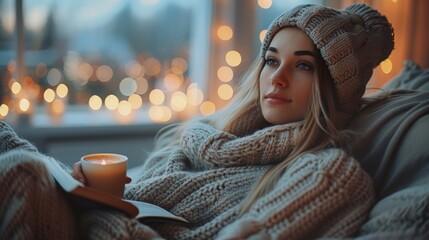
[148, 210]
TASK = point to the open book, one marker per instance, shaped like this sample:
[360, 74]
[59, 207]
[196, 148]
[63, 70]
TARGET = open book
[134, 209]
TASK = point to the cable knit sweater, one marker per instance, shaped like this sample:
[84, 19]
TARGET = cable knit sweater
[323, 194]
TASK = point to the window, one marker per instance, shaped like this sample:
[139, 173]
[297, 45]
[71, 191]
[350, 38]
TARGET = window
[120, 58]
[125, 61]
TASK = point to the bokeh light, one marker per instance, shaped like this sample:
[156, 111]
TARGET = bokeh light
[195, 95]
[62, 90]
[104, 73]
[265, 4]
[172, 82]
[24, 104]
[233, 58]
[207, 108]
[225, 74]
[128, 86]
[111, 102]
[95, 102]
[49, 95]
[124, 108]
[157, 97]
[135, 100]
[225, 92]
[262, 35]
[225, 32]
[386, 66]
[4, 110]
[178, 101]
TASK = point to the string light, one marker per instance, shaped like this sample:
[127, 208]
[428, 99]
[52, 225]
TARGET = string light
[225, 32]
[157, 97]
[225, 92]
[207, 108]
[225, 74]
[124, 108]
[49, 95]
[16, 88]
[95, 102]
[265, 4]
[4, 110]
[386, 66]
[111, 102]
[233, 58]
[24, 105]
[135, 101]
[62, 90]
[178, 101]
[262, 35]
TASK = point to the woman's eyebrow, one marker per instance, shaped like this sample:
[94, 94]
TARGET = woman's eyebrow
[273, 49]
[297, 53]
[304, 52]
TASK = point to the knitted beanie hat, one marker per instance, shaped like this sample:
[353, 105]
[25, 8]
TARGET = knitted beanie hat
[352, 43]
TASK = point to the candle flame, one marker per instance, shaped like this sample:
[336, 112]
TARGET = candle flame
[103, 162]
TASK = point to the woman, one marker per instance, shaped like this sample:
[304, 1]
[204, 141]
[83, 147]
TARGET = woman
[273, 164]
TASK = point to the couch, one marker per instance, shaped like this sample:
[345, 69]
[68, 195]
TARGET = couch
[393, 147]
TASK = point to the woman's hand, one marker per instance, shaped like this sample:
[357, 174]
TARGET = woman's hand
[77, 174]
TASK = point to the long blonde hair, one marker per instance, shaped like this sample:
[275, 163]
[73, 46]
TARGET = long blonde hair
[320, 128]
[321, 125]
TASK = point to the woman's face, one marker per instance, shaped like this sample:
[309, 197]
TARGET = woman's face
[287, 76]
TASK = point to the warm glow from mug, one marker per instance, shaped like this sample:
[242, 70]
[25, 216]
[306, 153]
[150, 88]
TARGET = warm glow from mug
[95, 102]
[225, 92]
[225, 32]
[233, 58]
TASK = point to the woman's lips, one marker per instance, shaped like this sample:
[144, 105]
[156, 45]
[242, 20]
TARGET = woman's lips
[273, 98]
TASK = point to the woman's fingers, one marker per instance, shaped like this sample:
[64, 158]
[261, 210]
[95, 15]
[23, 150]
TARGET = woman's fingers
[127, 179]
[77, 173]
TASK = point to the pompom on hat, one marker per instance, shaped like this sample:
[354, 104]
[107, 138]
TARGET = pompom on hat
[352, 43]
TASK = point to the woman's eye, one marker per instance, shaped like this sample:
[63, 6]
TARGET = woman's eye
[270, 61]
[304, 66]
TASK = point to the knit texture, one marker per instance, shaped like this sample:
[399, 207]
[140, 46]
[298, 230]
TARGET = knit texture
[352, 43]
[32, 206]
[323, 194]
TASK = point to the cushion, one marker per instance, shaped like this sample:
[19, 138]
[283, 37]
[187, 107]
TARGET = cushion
[393, 147]
[412, 77]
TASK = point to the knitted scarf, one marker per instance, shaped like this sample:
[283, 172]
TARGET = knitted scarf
[211, 172]
[204, 180]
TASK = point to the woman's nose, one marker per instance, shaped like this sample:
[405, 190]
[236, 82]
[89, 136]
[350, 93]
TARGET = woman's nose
[278, 79]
